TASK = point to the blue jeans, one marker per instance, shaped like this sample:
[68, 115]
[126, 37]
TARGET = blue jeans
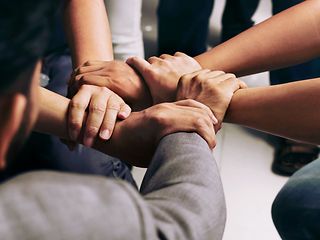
[42, 151]
[296, 209]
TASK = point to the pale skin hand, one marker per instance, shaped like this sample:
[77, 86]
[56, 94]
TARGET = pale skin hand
[117, 76]
[212, 88]
[162, 74]
[135, 138]
[95, 109]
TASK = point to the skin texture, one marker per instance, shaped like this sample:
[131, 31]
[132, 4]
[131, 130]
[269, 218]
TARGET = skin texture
[104, 107]
[212, 88]
[84, 20]
[135, 138]
[285, 39]
[117, 76]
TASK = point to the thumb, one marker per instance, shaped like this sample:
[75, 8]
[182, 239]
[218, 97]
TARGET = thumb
[139, 64]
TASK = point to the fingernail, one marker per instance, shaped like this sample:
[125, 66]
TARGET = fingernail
[88, 141]
[214, 120]
[123, 114]
[105, 134]
[74, 135]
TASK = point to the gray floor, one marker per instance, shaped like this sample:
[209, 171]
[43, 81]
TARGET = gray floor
[245, 156]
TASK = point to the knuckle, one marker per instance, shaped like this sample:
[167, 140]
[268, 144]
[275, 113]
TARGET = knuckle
[97, 108]
[190, 101]
[92, 130]
[81, 70]
[197, 79]
[219, 72]
[75, 125]
[200, 122]
[86, 87]
[74, 104]
[230, 75]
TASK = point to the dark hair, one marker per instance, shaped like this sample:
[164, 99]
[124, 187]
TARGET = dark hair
[24, 34]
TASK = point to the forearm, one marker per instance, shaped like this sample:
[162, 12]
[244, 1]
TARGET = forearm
[290, 110]
[183, 189]
[288, 38]
[88, 32]
[52, 120]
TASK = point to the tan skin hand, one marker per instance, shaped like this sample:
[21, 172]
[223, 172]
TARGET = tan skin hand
[141, 132]
[212, 88]
[163, 73]
[117, 76]
[103, 107]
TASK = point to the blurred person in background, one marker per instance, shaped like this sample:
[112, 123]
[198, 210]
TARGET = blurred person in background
[184, 27]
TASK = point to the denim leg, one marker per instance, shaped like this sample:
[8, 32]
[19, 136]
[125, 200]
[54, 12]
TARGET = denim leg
[183, 26]
[237, 17]
[296, 209]
[48, 152]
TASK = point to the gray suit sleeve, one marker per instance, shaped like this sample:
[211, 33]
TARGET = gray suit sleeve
[182, 198]
[183, 190]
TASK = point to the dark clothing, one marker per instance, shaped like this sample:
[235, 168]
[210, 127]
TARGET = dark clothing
[47, 152]
[296, 209]
[183, 26]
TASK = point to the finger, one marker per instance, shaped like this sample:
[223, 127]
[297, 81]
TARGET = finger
[206, 130]
[97, 109]
[224, 77]
[139, 64]
[196, 73]
[152, 60]
[125, 111]
[198, 121]
[242, 84]
[88, 69]
[196, 104]
[180, 54]
[166, 56]
[231, 84]
[110, 118]
[90, 79]
[94, 62]
[77, 108]
[203, 126]
[214, 74]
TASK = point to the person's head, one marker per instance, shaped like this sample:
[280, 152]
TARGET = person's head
[24, 32]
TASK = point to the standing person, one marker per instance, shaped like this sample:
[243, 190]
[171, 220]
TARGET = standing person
[185, 28]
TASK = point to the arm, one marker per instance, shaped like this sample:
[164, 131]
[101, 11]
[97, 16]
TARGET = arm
[288, 38]
[181, 200]
[290, 110]
[135, 138]
[88, 32]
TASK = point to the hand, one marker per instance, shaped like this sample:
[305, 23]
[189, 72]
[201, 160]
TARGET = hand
[162, 74]
[141, 132]
[212, 88]
[118, 76]
[104, 108]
